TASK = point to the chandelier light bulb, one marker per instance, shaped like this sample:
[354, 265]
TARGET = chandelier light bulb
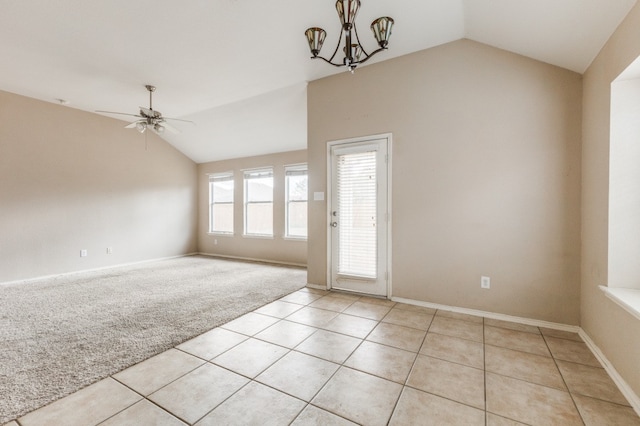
[347, 11]
[315, 38]
[381, 28]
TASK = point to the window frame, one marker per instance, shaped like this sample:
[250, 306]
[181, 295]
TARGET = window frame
[294, 168]
[246, 174]
[223, 176]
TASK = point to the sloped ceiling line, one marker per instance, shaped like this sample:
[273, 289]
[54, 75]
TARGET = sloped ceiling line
[225, 63]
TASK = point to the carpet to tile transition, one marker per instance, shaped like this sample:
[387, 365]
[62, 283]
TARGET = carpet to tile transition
[61, 334]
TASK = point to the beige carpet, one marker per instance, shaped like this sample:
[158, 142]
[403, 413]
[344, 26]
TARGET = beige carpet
[61, 334]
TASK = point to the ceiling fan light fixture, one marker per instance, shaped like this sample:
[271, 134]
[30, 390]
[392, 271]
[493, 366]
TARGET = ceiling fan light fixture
[148, 118]
[354, 52]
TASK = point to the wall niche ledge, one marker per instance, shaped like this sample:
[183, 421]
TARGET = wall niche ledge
[627, 298]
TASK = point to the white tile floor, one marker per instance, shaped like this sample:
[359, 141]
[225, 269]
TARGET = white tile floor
[319, 358]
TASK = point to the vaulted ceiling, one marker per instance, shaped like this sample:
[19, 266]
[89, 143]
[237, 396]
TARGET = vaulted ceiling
[239, 68]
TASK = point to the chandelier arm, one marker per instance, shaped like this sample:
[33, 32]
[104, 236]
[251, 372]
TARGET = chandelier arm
[337, 48]
[328, 61]
[372, 53]
[355, 31]
[337, 64]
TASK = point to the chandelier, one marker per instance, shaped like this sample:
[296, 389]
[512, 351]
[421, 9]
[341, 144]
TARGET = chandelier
[354, 53]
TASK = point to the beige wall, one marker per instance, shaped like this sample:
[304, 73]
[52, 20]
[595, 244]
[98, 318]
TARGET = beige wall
[276, 249]
[72, 180]
[486, 175]
[615, 331]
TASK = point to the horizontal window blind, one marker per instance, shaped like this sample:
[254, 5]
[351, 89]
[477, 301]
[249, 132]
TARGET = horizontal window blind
[220, 177]
[295, 170]
[258, 186]
[357, 207]
[221, 188]
[296, 183]
[221, 202]
[296, 190]
[258, 174]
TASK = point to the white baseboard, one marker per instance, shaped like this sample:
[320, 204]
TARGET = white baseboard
[492, 315]
[626, 390]
[102, 268]
[251, 259]
[317, 287]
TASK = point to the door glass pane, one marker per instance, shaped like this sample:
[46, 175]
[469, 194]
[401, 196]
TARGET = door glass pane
[357, 211]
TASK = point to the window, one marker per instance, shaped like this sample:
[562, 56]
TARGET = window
[258, 202]
[623, 275]
[221, 203]
[296, 201]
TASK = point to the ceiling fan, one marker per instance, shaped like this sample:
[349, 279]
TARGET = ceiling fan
[148, 118]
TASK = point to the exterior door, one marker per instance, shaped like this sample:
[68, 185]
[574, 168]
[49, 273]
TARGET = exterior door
[358, 215]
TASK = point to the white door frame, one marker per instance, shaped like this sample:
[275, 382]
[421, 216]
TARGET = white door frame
[330, 145]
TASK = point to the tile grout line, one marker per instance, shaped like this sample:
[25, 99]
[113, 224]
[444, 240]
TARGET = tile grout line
[341, 365]
[555, 362]
[540, 384]
[406, 381]
[484, 352]
[484, 371]
[585, 365]
[223, 401]
[253, 379]
[143, 398]
[205, 363]
[330, 377]
[362, 340]
[189, 372]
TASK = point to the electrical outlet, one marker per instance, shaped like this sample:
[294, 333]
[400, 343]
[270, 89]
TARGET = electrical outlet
[485, 282]
[83, 253]
[109, 250]
[215, 242]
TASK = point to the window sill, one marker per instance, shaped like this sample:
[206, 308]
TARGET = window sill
[258, 236]
[627, 298]
[221, 234]
[302, 239]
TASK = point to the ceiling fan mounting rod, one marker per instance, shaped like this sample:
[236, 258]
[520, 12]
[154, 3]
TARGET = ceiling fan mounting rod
[151, 89]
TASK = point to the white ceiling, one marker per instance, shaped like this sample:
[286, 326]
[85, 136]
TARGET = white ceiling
[239, 68]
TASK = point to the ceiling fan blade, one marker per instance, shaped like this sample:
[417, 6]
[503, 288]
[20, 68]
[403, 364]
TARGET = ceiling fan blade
[169, 127]
[119, 113]
[178, 119]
